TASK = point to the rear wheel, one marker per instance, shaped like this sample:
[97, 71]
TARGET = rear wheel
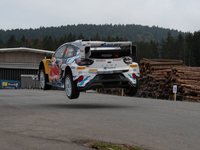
[71, 87]
[131, 91]
[44, 80]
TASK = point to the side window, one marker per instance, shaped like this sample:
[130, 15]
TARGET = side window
[69, 52]
[60, 52]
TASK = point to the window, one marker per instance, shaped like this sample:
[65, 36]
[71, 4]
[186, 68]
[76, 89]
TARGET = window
[69, 52]
[60, 52]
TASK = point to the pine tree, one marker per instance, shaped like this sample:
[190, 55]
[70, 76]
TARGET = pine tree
[1, 44]
[80, 37]
[12, 42]
[24, 42]
[168, 51]
[180, 51]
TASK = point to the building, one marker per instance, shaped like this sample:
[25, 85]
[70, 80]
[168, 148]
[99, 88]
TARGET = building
[15, 62]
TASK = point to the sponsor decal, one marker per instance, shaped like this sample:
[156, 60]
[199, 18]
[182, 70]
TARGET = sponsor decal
[63, 66]
[108, 45]
[133, 66]
[80, 68]
[100, 60]
[131, 78]
[116, 59]
[72, 67]
[105, 68]
[82, 82]
[55, 71]
[73, 57]
[93, 69]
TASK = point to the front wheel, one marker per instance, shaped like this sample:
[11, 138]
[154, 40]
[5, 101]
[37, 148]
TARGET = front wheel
[71, 87]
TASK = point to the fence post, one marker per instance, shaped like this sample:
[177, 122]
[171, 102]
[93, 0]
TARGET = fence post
[174, 96]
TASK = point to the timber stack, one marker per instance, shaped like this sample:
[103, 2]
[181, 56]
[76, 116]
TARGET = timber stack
[156, 76]
[188, 81]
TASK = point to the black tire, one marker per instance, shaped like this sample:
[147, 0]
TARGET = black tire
[43, 80]
[131, 91]
[71, 87]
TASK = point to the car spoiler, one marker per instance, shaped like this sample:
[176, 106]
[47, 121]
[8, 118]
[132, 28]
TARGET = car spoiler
[88, 46]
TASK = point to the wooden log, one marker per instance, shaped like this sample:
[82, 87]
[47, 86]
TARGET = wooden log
[188, 72]
[164, 70]
[184, 81]
[193, 97]
[161, 67]
[191, 90]
[187, 68]
[191, 83]
[191, 86]
[161, 60]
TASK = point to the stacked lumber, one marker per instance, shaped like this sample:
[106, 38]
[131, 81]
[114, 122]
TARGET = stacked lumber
[156, 75]
[188, 81]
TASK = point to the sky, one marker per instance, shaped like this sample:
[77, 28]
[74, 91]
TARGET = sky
[181, 15]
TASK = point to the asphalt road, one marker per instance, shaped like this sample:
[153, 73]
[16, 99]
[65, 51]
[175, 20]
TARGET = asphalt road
[36, 119]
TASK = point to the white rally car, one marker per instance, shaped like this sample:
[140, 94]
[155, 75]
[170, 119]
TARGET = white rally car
[83, 65]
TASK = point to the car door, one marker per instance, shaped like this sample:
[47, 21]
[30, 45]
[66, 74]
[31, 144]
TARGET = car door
[55, 65]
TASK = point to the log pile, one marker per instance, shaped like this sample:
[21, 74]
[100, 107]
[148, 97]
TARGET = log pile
[188, 81]
[156, 76]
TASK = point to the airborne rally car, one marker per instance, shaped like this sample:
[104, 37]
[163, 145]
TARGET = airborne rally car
[83, 65]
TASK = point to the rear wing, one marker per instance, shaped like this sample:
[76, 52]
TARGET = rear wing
[96, 46]
[107, 44]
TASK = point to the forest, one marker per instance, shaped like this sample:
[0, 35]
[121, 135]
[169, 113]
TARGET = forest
[151, 42]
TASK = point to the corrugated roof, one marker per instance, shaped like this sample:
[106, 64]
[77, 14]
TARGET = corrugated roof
[27, 50]
[34, 66]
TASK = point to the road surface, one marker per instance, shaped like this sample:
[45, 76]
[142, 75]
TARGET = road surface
[36, 119]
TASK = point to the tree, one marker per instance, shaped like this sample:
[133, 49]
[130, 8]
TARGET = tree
[189, 55]
[153, 48]
[48, 43]
[12, 42]
[24, 42]
[97, 37]
[180, 50]
[1, 44]
[168, 51]
[70, 37]
[80, 37]
[196, 47]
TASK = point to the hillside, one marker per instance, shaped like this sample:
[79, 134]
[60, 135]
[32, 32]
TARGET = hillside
[130, 32]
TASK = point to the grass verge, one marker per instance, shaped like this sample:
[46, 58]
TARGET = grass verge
[111, 146]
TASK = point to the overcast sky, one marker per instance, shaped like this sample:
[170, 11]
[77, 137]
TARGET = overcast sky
[181, 15]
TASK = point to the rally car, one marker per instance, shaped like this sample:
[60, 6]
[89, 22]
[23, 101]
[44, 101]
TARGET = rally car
[82, 65]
